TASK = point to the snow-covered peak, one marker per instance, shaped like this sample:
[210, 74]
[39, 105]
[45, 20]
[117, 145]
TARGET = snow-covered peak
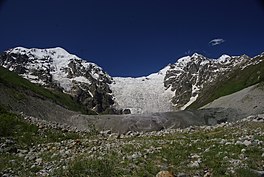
[195, 58]
[63, 67]
[197, 55]
[57, 68]
[182, 62]
[54, 53]
[185, 59]
[59, 50]
[224, 59]
[57, 55]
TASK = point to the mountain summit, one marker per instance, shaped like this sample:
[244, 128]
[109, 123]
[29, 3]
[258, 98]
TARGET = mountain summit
[175, 87]
[56, 68]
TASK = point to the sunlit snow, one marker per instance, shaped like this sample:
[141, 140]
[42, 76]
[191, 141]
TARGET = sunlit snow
[142, 94]
[57, 60]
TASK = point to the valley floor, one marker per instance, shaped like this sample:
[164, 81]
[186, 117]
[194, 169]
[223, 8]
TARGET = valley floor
[227, 149]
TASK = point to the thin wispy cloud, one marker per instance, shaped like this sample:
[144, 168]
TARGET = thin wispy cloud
[215, 42]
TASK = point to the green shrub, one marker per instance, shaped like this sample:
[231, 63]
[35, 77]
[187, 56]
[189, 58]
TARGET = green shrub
[8, 123]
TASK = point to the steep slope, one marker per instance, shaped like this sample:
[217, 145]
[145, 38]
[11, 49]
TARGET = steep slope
[249, 101]
[246, 74]
[143, 94]
[56, 68]
[19, 88]
[190, 75]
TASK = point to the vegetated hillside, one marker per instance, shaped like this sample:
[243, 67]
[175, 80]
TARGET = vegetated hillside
[29, 148]
[232, 82]
[19, 89]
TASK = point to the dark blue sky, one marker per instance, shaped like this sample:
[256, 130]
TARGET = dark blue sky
[134, 37]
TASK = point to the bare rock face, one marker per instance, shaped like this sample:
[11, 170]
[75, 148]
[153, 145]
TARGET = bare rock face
[192, 74]
[56, 68]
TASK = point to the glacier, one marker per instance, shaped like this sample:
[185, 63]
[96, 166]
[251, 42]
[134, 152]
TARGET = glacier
[145, 94]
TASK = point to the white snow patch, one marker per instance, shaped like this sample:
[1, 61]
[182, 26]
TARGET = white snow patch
[81, 79]
[90, 93]
[195, 91]
[205, 62]
[182, 62]
[33, 79]
[224, 59]
[192, 99]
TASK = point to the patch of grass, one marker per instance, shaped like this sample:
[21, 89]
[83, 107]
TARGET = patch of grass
[93, 131]
[10, 161]
[25, 134]
[48, 156]
[94, 167]
[253, 160]
[8, 124]
[56, 135]
[12, 126]
[245, 172]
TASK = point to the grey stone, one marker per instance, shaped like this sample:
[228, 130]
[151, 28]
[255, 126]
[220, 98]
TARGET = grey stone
[38, 160]
[247, 143]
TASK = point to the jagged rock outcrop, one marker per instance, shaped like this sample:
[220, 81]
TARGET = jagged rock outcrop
[56, 68]
[191, 75]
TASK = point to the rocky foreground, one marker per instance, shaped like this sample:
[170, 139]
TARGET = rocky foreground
[40, 148]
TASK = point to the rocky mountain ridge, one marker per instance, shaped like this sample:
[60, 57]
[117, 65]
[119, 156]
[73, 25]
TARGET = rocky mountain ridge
[175, 87]
[178, 85]
[192, 74]
[56, 68]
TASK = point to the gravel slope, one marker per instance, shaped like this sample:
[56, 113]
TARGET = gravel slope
[247, 101]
